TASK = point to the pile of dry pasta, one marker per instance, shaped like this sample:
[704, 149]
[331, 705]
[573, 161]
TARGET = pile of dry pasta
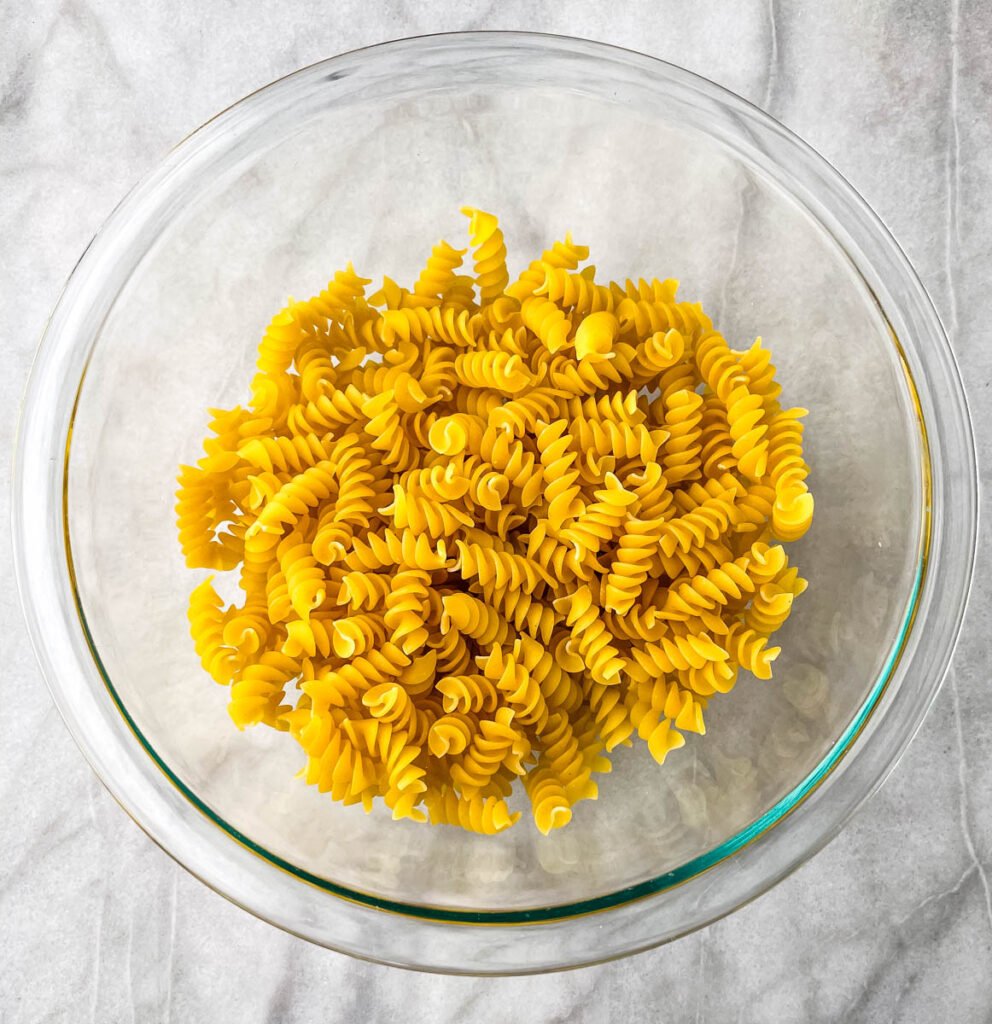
[490, 530]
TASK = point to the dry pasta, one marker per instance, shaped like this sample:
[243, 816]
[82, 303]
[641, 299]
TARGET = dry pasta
[490, 529]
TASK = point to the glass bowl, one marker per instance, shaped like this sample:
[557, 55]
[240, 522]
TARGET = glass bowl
[367, 157]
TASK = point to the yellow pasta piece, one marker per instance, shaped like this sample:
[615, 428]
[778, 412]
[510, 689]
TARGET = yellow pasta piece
[488, 531]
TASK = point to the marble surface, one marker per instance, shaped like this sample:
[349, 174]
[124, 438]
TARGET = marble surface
[893, 921]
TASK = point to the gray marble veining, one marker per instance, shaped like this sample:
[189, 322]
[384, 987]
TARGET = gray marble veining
[892, 921]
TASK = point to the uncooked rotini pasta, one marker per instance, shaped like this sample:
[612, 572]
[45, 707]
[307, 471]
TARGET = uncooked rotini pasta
[486, 530]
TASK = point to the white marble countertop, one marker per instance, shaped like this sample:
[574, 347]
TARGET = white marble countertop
[893, 921]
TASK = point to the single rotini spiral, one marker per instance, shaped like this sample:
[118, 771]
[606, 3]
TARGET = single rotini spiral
[246, 629]
[455, 654]
[340, 408]
[650, 486]
[600, 523]
[393, 704]
[564, 758]
[476, 402]
[575, 291]
[716, 445]
[305, 580]
[391, 295]
[360, 496]
[751, 650]
[638, 541]
[501, 568]
[785, 438]
[745, 414]
[646, 291]
[499, 371]
[406, 609]
[207, 622]
[364, 589]
[574, 377]
[792, 513]
[557, 686]
[555, 555]
[342, 294]
[645, 317]
[357, 634]
[547, 321]
[519, 689]
[674, 652]
[548, 799]
[682, 449]
[437, 482]
[439, 273]
[707, 522]
[343, 686]
[379, 550]
[562, 494]
[611, 718]
[754, 508]
[767, 562]
[385, 430]
[418, 427]
[520, 608]
[697, 595]
[756, 362]
[490, 254]
[279, 343]
[456, 433]
[656, 729]
[259, 689]
[621, 440]
[502, 318]
[793, 509]
[772, 605]
[460, 294]
[198, 501]
[418, 324]
[471, 692]
[498, 744]
[436, 376]
[718, 366]
[404, 786]
[425, 515]
[657, 353]
[713, 677]
[474, 618]
[521, 415]
[335, 767]
[286, 454]
[512, 460]
[451, 734]
[564, 255]
[316, 367]
[639, 623]
[485, 486]
[590, 638]
[371, 378]
[594, 339]
[487, 815]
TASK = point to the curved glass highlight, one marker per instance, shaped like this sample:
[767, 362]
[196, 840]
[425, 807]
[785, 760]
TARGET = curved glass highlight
[763, 231]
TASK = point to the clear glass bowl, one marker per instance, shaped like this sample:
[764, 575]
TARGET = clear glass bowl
[367, 157]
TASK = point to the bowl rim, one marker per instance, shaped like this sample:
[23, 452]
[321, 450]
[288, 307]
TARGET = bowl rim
[42, 549]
